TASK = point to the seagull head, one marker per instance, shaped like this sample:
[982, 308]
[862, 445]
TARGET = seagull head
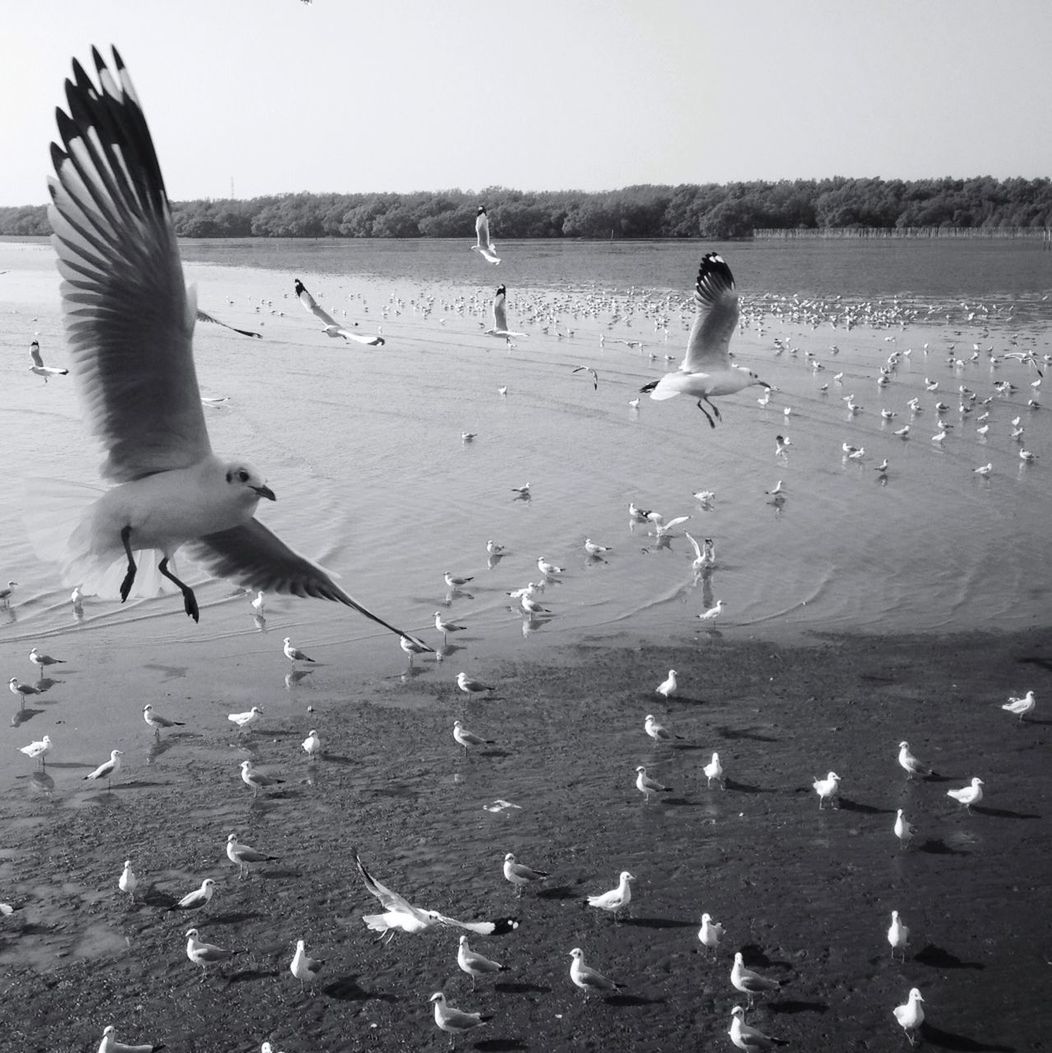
[241, 475]
[481, 211]
[191, 934]
[439, 997]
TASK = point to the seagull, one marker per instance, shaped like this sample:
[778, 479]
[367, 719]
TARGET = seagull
[646, 785]
[549, 570]
[587, 978]
[128, 882]
[331, 326]
[245, 856]
[455, 1021]
[493, 549]
[107, 769]
[898, 935]
[7, 592]
[617, 899]
[446, 627]
[588, 369]
[129, 320]
[710, 933]
[500, 318]
[399, 914]
[256, 780]
[521, 492]
[910, 1016]
[593, 549]
[20, 690]
[454, 582]
[471, 687]
[521, 875]
[305, 969]
[910, 764]
[468, 738]
[156, 721]
[748, 1038]
[984, 469]
[669, 686]
[199, 897]
[245, 720]
[257, 604]
[706, 369]
[38, 749]
[903, 829]
[109, 1044]
[658, 732]
[294, 654]
[714, 770]
[38, 366]
[712, 613]
[204, 954]
[968, 795]
[483, 245]
[312, 744]
[703, 556]
[781, 445]
[501, 805]
[475, 964]
[749, 982]
[828, 789]
[42, 661]
[1021, 707]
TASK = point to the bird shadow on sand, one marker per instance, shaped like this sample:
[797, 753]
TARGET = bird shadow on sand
[233, 917]
[792, 1006]
[278, 873]
[495, 753]
[1038, 660]
[848, 805]
[1003, 813]
[660, 923]
[46, 683]
[940, 958]
[171, 672]
[560, 892]
[627, 1001]
[744, 787]
[753, 734]
[755, 956]
[347, 989]
[935, 846]
[521, 988]
[22, 715]
[499, 1045]
[252, 974]
[936, 1036]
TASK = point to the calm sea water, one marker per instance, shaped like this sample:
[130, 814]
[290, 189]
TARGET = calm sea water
[363, 446]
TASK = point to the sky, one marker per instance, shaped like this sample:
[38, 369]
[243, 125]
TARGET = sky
[280, 96]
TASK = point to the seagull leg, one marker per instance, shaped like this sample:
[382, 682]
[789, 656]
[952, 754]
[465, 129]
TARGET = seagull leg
[715, 408]
[189, 600]
[130, 576]
[712, 423]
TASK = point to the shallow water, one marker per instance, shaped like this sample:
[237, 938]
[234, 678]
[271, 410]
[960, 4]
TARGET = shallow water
[363, 447]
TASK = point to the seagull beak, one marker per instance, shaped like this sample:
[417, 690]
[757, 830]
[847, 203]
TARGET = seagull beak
[763, 383]
[265, 491]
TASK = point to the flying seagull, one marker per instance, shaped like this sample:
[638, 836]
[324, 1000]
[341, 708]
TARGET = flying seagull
[332, 327]
[483, 245]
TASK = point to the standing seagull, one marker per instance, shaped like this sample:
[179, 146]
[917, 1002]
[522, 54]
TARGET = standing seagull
[910, 1016]
[304, 968]
[204, 954]
[475, 964]
[42, 661]
[245, 856]
[256, 780]
[7, 591]
[898, 935]
[714, 770]
[107, 769]
[312, 744]
[245, 720]
[828, 789]
[521, 875]
[331, 326]
[910, 764]
[156, 721]
[587, 978]
[646, 785]
[968, 795]
[657, 731]
[710, 933]
[706, 369]
[20, 690]
[748, 1038]
[617, 899]
[128, 882]
[199, 897]
[483, 243]
[669, 686]
[37, 749]
[294, 654]
[468, 738]
[129, 321]
[748, 982]
[454, 1021]
[1021, 707]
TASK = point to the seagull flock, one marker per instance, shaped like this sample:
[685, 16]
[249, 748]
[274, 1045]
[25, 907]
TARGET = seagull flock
[169, 490]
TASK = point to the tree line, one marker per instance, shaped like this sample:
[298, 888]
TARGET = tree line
[710, 210]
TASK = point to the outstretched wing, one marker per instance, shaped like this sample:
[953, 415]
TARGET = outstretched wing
[694, 545]
[310, 304]
[203, 316]
[257, 559]
[34, 351]
[388, 899]
[716, 301]
[128, 315]
[497, 927]
[500, 316]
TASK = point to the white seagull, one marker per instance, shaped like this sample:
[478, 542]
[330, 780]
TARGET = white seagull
[128, 882]
[749, 982]
[1021, 707]
[669, 686]
[204, 954]
[199, 897]
[587, 978]
[911, 1015]
[828, 789]
[247, 719]
[109, 1044]
[617, 899]
[157, 722]
[646, 785]
[303, 967]
[903, 829]
[20, 690]
[38, 366]
[312, 744]
[714, 770]
[910, 764]
[331, 326]
[475, 964]
[472, 687]
[710, 933]
[500, 317]
[521, 875]
[446, 627]
[468, 738]
[294, 654]
[455, 1021]
[748, 1038]
[898, 935]
[244, 857]
[107, 769]
[657, 731]
[706, 369]
[42, 661]
[37, 749]
[256, 780]
[968, 795]
[713, 612]
[129, 321]
[483, 243]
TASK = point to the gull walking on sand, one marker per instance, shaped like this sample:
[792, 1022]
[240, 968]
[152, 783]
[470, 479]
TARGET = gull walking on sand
[828, 789]
[199, 897]
[748, 982]
[129, 320]
[911, 1015]
[294, 654]
[587, 978]
[128, 882]
[1021, 707]
[706, 369]
[749, 1038]
[646, 785]
[968, 795]
[109, 1044]
[244, 857]
[470, 686]
[669, 686]
[468, 738]
[245, 720]
[903, 829]
[710, 933]
[256, 780]
[204, 954]
[483, 243]
[38, 750]
[157, 722]
[475, 964]
[21, 691]
[107, 769]
[714, 770]
[712, 613]
[521, 875]
[330, 326]
[42, 661]
[658, 732]
[455, 1021]
[411, 648]
[6, 592]
[910, 764]
[305, 968]
[898, 935]
[312, 744]
[617, 899]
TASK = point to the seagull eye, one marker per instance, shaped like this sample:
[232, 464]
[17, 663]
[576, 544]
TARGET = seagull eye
[243, 475]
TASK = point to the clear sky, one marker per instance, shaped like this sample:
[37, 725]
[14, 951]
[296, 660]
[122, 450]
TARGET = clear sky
[347, 95]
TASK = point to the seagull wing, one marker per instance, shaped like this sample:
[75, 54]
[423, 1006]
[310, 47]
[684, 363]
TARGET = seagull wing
[716, 301]
[482, 229]
[500, 317]
[128, 314]
[388, 900]
[34, 350]
[694, 545]
[497, 927]
[256, 558]
[310, 304]
[204, 316]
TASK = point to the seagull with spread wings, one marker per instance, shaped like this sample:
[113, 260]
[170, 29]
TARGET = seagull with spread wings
[706, 369]
[500, 315]
[38, 366]
[332, 327]
[130, 318]
[483, 244]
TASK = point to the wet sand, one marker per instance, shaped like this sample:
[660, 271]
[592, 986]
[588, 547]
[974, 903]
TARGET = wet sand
[805, 894]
